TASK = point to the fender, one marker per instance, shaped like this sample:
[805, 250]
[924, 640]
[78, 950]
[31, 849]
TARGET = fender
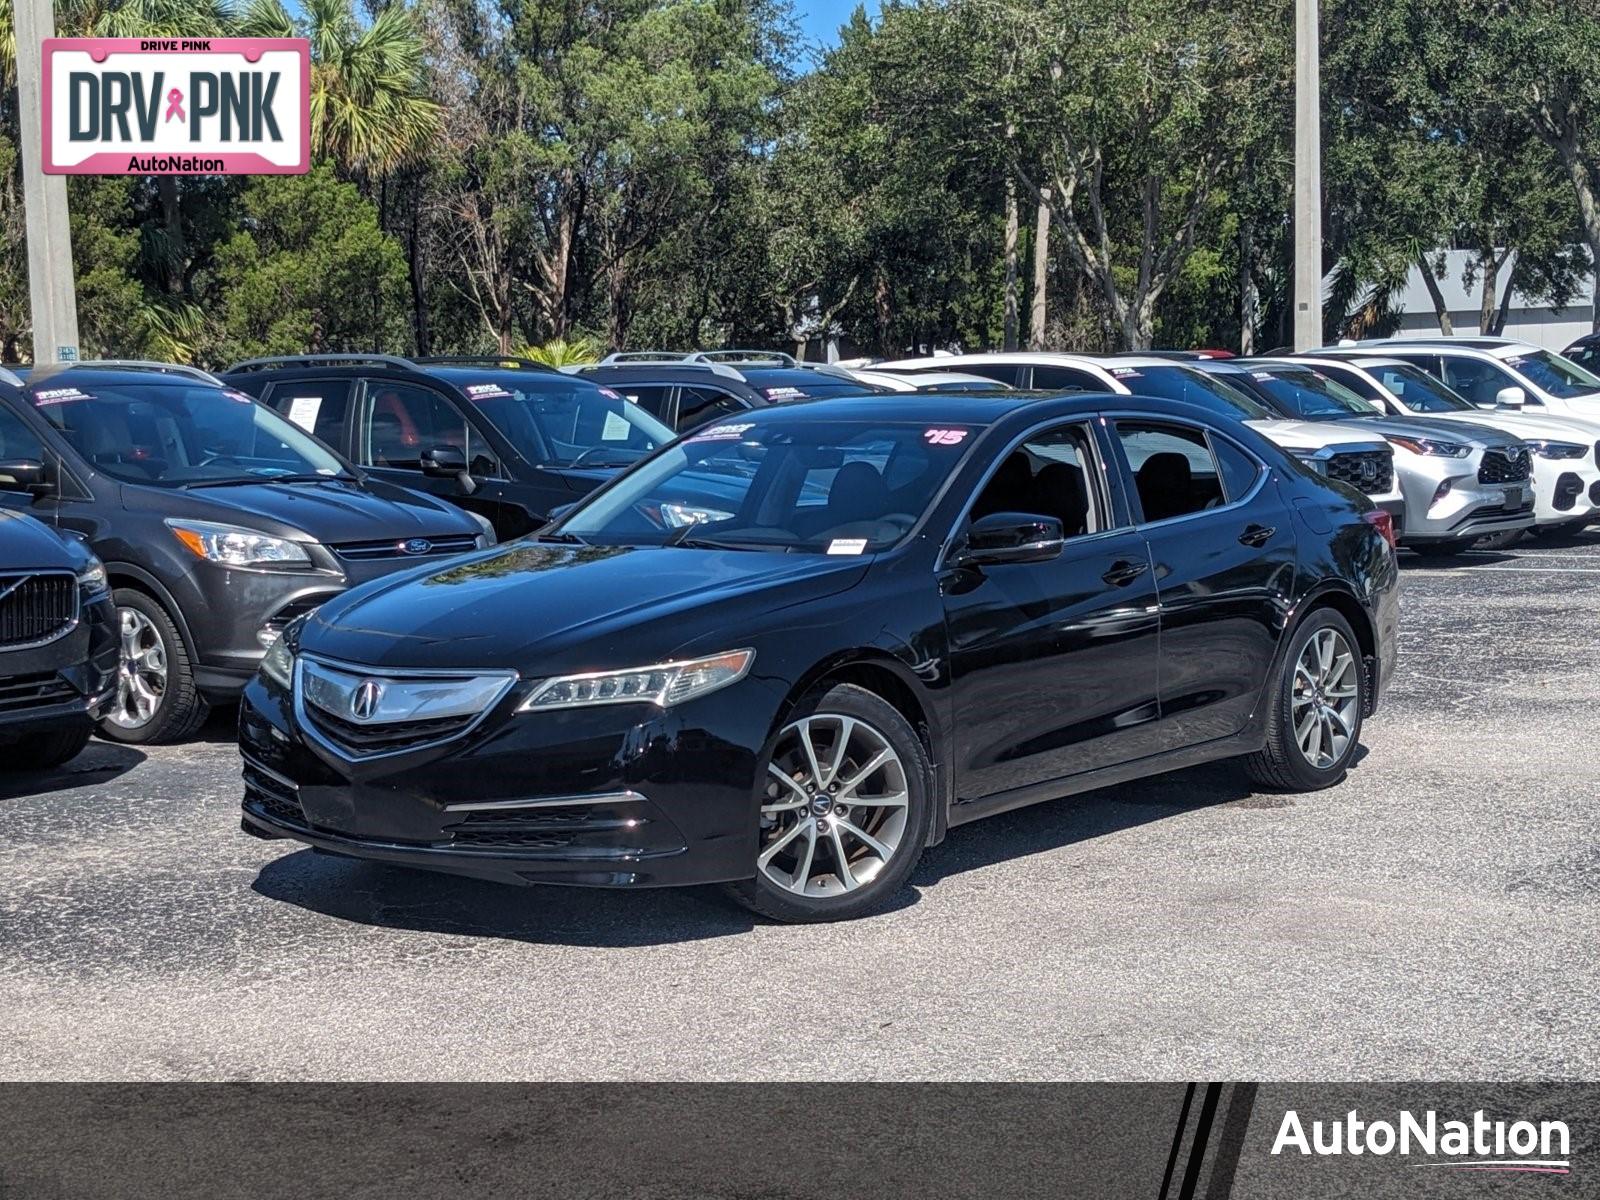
[151, 584]
[1256, 726]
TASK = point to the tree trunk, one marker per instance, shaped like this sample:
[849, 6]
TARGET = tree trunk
[1041, 273]
[1249, 295]
[1431, 282]
[1504, 309]
[1489, 265]
[419, 288]
[172, 217]
[1011, 298]
[1583, 184]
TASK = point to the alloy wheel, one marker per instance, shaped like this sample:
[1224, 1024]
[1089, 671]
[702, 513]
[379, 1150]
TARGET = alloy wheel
[835, 806]
[1324, 698]
[141, 672]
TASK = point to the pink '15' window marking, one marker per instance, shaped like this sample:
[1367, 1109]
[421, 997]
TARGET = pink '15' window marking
[945, 437]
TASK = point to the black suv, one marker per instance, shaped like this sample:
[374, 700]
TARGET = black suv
[690, 390]
[218, 522]
[58, 634]
[506, 438]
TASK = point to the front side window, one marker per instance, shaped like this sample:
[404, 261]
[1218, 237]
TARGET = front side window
[699, 405]
[1554, 374]
[175, 433]
[1050, 474]
[1065, 379]
[17, 440]
[1418, 391]
[1479, 381]
[1174, 473]
[405, 420]
[652, 397]
[778, 480]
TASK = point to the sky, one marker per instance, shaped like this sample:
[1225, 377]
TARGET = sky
[820, 19]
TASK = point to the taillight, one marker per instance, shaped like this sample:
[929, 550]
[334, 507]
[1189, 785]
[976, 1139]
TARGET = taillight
[1381, 520]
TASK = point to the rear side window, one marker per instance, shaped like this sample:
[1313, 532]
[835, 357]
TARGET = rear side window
[697, 405]
[316, 405]
[652, 397]
[1239, 470]
[1174, 473]
[1065, 379]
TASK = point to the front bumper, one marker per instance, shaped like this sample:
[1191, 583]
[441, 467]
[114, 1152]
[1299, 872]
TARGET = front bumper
[60, 683]
[1566, 490]
[1446, 502]
[617, 795]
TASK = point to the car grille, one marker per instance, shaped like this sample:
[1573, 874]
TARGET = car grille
[357, 739]
[19, 693]
[455, 543]
[275, 797]
[1501, 466]
[1353, 467]
[496, 839]
[36, 608]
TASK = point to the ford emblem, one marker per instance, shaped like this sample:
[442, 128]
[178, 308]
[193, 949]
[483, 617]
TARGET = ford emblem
[416, 546]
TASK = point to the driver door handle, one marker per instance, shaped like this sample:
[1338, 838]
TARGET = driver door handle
[1257, 535]
[1124, 571]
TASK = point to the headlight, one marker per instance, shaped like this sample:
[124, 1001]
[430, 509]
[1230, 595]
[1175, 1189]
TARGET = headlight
[1558, 449]
[663, 684]
[1431, 447]
[92, 577]
[278, 663]
[1310, 459]
[677, 516]
[234, 546]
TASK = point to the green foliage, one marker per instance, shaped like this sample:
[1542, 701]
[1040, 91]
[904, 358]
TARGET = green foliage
[565, 352]
[309, 271]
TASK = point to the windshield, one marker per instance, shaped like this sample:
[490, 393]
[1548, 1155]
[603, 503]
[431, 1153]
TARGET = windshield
[779, 480]
[174, 433]
[1207, 391]
[1311, 395]
[1418, 391]
[565, 422]
[1553, 374]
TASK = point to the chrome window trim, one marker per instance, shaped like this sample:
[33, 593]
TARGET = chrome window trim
[308, 726]
[65, 630]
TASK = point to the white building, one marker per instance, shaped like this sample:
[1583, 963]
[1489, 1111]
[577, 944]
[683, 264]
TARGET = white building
[1525, 320]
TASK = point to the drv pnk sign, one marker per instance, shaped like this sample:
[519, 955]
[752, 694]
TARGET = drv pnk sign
[168, 106]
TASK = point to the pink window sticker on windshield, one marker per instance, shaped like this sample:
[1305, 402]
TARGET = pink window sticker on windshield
[485, 391]
[64, 395]
[944, 437]
[241, 397]
[847, 545]
[611, 395]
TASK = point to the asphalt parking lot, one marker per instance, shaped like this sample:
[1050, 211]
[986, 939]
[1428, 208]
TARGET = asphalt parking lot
[1434, 917]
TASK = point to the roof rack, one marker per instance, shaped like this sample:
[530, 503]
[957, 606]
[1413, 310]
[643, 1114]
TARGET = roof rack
[45, 370]
[310, 360]
[7, 375]
[497, 360]
[618, 357]
[661, 358]
[777, 357]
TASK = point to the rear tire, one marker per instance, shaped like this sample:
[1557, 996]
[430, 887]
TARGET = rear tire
[1314, 724]
[41, 751]
[156, 700]
[843, 823]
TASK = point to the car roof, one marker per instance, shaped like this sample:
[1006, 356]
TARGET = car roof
[1491, 347]
[461, 375]
[85, 377]
[1003, 357]
[1351, 357]
[988, 408]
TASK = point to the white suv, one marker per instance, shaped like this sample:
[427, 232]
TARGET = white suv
[1363, 460]
[1496, 372]
[1566, 449]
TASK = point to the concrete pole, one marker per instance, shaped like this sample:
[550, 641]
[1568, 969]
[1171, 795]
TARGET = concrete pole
[1307, 179]
[44, 198]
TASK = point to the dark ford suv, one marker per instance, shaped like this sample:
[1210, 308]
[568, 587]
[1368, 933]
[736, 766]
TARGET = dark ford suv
[58, 639]
[506, 438]
[217, 521]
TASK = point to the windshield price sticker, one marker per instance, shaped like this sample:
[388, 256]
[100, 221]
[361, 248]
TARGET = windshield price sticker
[1124, 373]
[241, 397]
[944, 437]
[613, 395]
[64, 395]
[722, 433]
[847, 545]
[783, 393]
[486, 391]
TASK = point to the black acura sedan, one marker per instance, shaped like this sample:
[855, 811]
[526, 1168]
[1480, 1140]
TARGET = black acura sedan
[788, 652]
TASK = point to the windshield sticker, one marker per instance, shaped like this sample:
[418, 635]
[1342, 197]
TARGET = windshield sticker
[236, 394]
[847, 545]
[1124, 373]
[944, 437]
[486, 391]
[303, 412]
[782, 393]
[1515, 361]
[1260, 375]
[613, 395]
[61, 395]
[722, 433]
[616, 428]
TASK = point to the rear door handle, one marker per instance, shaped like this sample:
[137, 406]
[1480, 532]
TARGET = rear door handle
[1124, 571]
[1257, 535]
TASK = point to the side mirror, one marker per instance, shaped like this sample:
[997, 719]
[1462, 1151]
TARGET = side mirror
[25, 475]
[1010, 537]
[562, 510]
[1510, 397]
[448, 462]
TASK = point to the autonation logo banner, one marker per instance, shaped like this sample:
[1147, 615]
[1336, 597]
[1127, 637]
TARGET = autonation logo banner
[1470, 1142]
[205, 106]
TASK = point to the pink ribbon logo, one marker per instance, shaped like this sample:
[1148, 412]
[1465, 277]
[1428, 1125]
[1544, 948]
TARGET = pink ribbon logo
[175, 105]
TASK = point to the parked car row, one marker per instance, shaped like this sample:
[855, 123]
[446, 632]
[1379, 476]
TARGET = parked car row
[763, 623]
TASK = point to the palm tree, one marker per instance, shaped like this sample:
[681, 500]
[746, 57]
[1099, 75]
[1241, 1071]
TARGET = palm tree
[370, 110]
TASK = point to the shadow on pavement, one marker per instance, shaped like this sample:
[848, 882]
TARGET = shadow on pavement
[100, 763]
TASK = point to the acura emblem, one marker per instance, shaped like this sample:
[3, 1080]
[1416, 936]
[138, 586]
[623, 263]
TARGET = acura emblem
[364, 700]
[416, 546]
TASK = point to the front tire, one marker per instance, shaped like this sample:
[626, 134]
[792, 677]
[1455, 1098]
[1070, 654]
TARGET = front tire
[156, 700]
[844, 804]
[41, 751]
[1314, 726]
[1500, 541]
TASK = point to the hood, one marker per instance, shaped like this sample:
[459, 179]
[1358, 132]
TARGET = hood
[539, 608]
[1314, 435]
[1430, 427]
[331, 512]
[1530, 425]
[32, 545]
